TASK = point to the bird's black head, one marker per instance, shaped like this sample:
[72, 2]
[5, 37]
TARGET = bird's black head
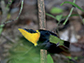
[30, 30]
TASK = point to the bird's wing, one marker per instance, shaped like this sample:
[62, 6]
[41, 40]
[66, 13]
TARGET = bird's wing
[63, 45]
[56, 40]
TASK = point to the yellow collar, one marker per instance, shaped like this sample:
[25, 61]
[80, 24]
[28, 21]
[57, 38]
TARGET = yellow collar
[32, 37]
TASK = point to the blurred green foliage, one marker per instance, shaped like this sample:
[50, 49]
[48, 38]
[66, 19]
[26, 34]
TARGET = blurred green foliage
[1, 28]
[49, 59]
[56, 10]
[75, 5]
[83, 19]
[59, 17]
[50, 15]
[24, 52]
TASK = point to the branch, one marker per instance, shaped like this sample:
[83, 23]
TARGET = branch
[8, 38]
[42, 25]
[41, 9]
[22, 1]
[4, 11]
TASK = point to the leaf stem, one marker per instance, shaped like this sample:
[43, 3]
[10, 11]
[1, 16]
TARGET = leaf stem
[69, 14]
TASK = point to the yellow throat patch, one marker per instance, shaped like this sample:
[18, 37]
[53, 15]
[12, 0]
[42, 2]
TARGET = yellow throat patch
[32, 37]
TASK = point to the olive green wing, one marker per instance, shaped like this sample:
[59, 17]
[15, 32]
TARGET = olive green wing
[64, 45]
[56, 40]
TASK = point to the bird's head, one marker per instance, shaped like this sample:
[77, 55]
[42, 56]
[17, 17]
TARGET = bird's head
[31, 35]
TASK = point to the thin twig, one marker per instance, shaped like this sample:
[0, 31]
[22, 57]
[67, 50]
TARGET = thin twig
[8, 38]
[69, 14]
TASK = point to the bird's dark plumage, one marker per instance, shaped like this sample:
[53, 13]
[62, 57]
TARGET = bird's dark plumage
[43, 40]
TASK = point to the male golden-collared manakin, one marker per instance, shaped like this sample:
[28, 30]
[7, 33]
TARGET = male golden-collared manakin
[46, 40]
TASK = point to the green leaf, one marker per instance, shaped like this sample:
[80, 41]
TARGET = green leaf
[70, 16]
[75, 58]
[1, 28]
[74, 15]
[56, 40]
[56, 10]
[72, 4]
[24, 52]
[50, 15]
[59, 17]
[83, 19]
[49, 59]
[69, 57]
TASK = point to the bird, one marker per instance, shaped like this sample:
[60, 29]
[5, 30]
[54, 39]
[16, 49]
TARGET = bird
[46, 40]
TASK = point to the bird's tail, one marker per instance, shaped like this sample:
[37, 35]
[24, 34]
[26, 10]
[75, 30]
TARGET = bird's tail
[67, 44]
